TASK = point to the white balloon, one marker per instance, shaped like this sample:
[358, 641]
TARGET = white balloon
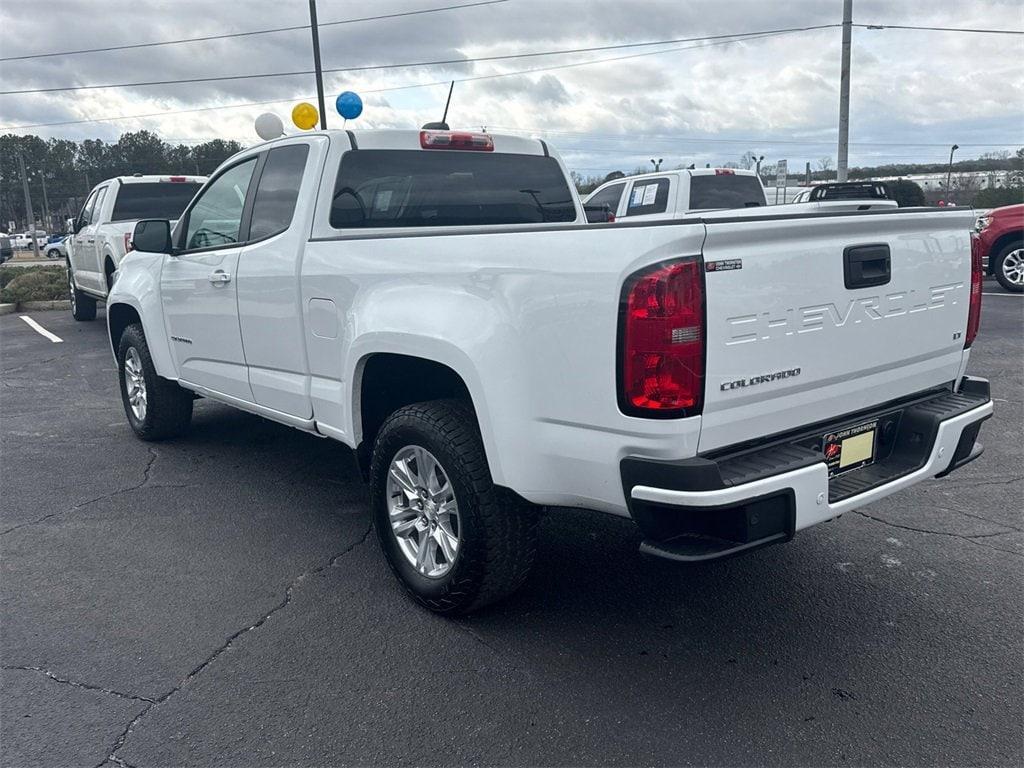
[269, 126]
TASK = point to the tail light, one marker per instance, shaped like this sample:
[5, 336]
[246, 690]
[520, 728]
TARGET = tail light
[128, 242]
[974, 311]
[474, 142]
[724, 172]
[177, 179]
[662, 341]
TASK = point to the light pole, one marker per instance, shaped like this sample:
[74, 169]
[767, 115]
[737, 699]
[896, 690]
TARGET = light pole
[757, 161]
[657, 164]
[949, 172]
[315, 29]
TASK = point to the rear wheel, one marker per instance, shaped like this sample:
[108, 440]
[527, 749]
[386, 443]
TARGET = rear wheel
[83, 306]
[1009, 267]
[156, 408]
[455, 540]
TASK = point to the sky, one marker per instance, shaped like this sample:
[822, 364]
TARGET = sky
[914, 93]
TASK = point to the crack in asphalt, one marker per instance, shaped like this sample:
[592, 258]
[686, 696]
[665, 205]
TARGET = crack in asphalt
[972, 539]
[288, 593]
[143, 484]
[969, 484]
[77, 683]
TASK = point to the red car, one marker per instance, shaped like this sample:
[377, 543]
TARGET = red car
[1000, 236]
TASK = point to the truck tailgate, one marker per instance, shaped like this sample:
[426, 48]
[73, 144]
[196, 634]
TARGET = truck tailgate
[790, 344]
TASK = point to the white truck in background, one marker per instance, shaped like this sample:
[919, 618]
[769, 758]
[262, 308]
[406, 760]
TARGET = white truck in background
[101, 234]
[436, 301]
[678, 193]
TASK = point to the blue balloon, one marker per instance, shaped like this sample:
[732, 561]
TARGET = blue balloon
[349, 105]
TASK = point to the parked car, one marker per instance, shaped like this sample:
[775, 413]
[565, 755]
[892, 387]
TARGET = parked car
[101, 235]
[1000, 235]
[436, 301]
[57, 249]
[6, 248]
[675, 194]
[23, 240]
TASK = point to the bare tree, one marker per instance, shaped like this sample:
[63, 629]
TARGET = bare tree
[824, 164]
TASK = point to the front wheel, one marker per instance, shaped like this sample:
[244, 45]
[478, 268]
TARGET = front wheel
[156, 408]
[83, 306]
[53, 253]
[1009, 267]
[455, 540]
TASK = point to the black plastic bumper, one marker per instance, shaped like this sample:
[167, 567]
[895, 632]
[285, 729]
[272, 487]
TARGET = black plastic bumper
[905, 435]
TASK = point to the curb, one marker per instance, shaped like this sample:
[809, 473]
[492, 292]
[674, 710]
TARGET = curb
[38, 305]
[7, 309]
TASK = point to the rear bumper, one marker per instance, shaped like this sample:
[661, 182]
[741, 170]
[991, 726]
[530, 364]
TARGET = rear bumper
[713, 507]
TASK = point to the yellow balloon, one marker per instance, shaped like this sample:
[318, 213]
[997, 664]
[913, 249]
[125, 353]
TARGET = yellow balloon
[305, 116]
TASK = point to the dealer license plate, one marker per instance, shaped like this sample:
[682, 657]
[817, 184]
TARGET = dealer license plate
[849, 448]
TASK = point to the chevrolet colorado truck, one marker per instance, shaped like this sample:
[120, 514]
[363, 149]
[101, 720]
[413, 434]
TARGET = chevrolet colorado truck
[436, 301]
[101, 234]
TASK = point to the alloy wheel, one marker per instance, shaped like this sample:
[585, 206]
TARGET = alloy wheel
[135, 383]
[1013, 267]
[423, 511]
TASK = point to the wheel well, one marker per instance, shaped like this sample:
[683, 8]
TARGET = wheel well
[119, 317]
[391, 381]
[108, 269]
[998, 245]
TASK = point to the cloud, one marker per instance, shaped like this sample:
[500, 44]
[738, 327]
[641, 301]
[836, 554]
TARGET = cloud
[706, 103]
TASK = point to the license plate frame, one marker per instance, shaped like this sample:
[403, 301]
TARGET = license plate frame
[850, 448]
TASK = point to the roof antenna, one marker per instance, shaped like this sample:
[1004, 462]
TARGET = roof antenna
[443, 125]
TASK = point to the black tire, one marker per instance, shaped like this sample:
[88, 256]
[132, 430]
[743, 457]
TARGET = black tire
[1000, 267]
[83, 306]
[168, 408]
[497, 529]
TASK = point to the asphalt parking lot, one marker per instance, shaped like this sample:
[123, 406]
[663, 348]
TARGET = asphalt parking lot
[219, 600]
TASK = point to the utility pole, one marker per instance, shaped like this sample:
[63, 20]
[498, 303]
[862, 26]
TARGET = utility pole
[46, 203]
[316, 64]
[28, 205]
[844, 94]
[949, 172]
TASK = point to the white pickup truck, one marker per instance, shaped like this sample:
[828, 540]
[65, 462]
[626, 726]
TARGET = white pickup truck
[679, 193]
[102, 232]
[436, 301]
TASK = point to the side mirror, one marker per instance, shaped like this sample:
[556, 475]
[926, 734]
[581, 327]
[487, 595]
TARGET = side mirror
[69, 226]
[152, 236]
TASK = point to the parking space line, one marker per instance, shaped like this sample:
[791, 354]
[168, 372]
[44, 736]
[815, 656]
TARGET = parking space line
[40, 330]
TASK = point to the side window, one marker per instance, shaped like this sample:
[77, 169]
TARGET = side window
[86, 214]
[278, 190]
[608, 196]
[648, 196]
[216, 217]
[97, 208]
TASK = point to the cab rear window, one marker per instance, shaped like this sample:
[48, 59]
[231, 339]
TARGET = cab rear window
[725, 190]
[153, 200]
[410, 188]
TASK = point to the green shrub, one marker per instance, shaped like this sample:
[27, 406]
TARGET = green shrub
[906, 193]
[18, 284]
[996, 198]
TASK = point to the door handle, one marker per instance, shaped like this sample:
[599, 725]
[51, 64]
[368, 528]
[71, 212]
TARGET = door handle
[220, 277]
[90, 241]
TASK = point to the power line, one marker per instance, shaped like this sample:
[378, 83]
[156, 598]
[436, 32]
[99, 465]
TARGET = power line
[247, 34]
[943, 29]
[634, 137]
[735, 37]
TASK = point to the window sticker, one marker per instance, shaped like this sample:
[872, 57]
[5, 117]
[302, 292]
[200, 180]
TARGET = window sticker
[636, 197]
[650, 192]
[383, 200]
